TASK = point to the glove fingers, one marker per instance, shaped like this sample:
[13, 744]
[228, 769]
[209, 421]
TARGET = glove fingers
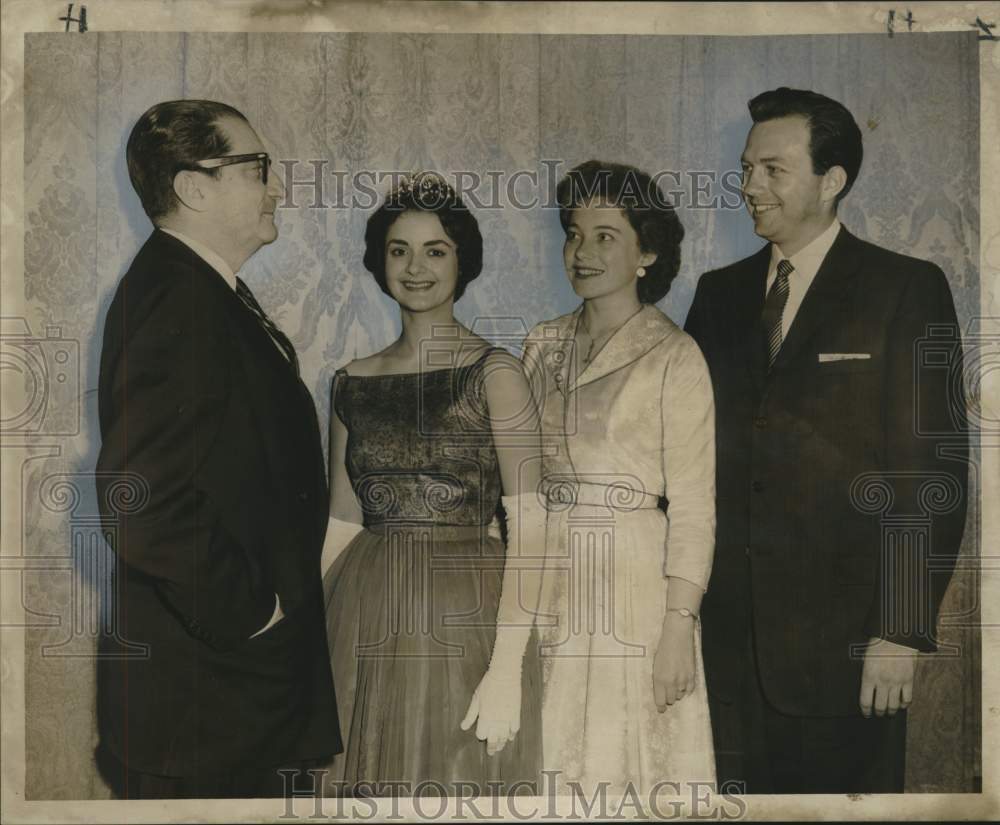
[472, 712]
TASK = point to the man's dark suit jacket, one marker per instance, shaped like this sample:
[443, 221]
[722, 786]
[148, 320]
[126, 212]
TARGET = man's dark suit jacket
[816, 458]
[204, 418]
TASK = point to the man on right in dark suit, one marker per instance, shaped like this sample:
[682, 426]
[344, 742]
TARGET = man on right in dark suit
[842, 470]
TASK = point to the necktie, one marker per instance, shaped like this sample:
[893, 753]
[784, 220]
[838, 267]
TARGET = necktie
[774, 307]
[279, 338]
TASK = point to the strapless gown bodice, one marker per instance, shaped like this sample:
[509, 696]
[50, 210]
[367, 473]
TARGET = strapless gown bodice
[419, 446]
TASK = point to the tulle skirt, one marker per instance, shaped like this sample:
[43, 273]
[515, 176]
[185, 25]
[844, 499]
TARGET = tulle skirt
[411, 619]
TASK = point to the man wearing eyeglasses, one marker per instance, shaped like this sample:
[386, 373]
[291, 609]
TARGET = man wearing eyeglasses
[217, 676]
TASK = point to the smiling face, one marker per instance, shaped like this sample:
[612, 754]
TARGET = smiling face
[421, 262]
[242, 205]
[601, 252]
[789, 203]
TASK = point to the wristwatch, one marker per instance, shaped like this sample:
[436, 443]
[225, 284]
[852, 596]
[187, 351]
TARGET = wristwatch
[687, 614]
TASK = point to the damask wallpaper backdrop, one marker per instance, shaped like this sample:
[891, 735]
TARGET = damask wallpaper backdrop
[375, 103]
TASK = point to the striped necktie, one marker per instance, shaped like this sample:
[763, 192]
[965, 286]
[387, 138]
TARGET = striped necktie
[774, 307]
[279, 338]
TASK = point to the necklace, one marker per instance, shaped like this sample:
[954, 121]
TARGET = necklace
[607, 336]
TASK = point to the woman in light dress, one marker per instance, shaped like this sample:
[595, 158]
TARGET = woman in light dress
[627, 414]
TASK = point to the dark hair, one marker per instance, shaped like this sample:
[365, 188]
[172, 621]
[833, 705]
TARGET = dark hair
[168, 138]
[647, 208]
[834, 136]
[426, 192]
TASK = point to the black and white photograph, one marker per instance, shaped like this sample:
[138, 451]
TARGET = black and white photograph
[499, 411]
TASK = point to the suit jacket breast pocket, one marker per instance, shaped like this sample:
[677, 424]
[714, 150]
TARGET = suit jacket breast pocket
[842, 366]
[846, 388]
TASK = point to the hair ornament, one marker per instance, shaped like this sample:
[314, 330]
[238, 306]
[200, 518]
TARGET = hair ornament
[425, 187]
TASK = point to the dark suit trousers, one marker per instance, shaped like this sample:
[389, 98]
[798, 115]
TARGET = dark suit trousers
[242, 783]
[770, 752]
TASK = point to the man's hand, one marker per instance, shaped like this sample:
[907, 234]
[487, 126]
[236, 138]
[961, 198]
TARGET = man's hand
[887, 678]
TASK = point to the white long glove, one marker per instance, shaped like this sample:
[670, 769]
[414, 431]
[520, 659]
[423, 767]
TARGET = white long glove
[338, 536]
[497, 700]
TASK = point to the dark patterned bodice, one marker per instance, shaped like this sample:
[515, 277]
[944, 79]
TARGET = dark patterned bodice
[419, 446]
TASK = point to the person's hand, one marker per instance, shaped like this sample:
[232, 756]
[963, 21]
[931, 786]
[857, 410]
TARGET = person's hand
[497, 705]
[887, 678]
[673, 663]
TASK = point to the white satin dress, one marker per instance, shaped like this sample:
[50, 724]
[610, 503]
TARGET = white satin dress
[634, 426]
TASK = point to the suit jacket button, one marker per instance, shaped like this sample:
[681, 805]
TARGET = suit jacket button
[747, 550]
[760, 422]
[303, 497]
[757, 486]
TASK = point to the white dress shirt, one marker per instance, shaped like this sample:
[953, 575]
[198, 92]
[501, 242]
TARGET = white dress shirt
[807, 262]
[214, 260]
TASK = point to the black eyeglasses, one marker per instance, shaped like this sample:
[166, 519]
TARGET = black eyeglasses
[228, 160]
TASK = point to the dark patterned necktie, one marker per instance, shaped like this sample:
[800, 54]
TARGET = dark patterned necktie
[279, 338]
[774, 308]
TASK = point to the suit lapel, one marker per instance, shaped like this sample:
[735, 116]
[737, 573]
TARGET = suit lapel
[268, 374]
[747, 304]
[633, 339]
[829, 287]
[253, 333]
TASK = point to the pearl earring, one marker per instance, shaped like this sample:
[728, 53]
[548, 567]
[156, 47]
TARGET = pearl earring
[641, 272]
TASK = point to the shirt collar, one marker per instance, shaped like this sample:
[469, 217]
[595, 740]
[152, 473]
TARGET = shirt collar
[213, 259]
[808, 260]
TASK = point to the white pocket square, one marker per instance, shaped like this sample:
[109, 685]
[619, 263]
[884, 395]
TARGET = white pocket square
[827, 357]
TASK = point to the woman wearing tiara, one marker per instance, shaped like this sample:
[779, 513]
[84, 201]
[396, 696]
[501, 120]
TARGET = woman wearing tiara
[627, 415]
[434, 655]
